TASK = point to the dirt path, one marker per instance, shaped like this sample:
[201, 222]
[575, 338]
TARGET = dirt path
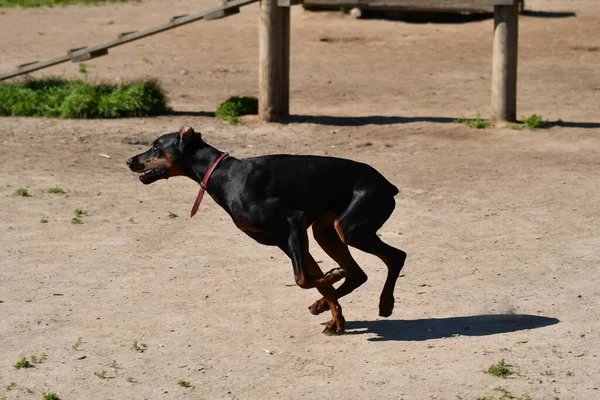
[495, 221]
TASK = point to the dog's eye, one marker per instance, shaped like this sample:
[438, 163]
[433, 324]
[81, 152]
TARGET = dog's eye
[155, 147]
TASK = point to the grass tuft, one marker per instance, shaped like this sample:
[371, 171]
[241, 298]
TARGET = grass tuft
[534, 122]
[477, 122]
[52, 3]
[56, 190]
[184, 384]
[76, 221]
[231, 109]
[172, 215]
[501, 369]
[22, 363]
[50, 396]
[76, 345]
[76, 99]
[21, 192]
[38, 359]
[100, 374]
[139, 346]
[79, 212]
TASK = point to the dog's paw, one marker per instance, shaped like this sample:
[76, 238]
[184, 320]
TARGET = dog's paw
[336, 273]
[335, 327]
[386, 306]
[319, 306]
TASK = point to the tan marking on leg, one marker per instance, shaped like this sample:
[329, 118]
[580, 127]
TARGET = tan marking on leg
[338, 229]
[243, 225]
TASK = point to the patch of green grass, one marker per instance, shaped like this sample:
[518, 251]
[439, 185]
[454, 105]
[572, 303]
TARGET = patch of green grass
[43, 220]
[56, 190]
[146, 61]
[52, 3]
[11, 386]
[114, 364]
[82, 68]
[570, 373]
[79, 212]
[231, 109]
[132, 220]
[477, 122]
[172, 214]
[21, 191]
[76, 345]
[184, 384]
[22, 363]
[61, 98]
[501, 369]
[534, 122]
[130, 379]
[50, 396]
[76, 221]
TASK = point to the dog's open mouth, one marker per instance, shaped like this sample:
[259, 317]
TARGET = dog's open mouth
[153, 174]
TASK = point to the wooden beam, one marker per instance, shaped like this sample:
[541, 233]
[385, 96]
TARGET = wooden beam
[83, 56]
[273, 61]
[504, 63]
[222, 14]
[289, 3]
[412, 5]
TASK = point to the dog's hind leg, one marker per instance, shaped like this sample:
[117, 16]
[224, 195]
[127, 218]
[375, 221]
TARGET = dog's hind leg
[327, 237]
[357, 226]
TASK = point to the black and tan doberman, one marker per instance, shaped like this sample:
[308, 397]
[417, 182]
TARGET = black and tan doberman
[274, 199]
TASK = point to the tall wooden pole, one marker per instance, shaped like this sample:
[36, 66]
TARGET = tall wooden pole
[504, 63]
[274, 62]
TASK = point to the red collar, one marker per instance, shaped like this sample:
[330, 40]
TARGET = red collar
[207, 175]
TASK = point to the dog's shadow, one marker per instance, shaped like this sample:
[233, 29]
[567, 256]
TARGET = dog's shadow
[437, 328]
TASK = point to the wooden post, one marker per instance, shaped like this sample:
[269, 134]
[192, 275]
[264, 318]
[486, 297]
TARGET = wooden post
[504, 63]
[274, 61]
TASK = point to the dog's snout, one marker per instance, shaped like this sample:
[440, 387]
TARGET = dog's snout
[129, 162]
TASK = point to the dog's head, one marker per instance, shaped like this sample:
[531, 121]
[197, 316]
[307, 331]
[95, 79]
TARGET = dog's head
[167, 156]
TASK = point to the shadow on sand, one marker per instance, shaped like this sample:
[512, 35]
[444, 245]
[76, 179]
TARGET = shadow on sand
[364, 120]
[437, 328]
[329, 120]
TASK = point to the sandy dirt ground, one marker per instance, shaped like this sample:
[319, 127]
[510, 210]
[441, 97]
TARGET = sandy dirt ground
[500, 225]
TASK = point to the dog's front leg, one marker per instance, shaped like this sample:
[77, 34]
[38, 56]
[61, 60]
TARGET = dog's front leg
[308, 274]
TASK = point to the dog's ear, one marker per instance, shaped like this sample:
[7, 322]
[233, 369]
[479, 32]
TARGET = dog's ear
[186, 134]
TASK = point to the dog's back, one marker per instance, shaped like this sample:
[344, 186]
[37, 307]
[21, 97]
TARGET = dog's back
[316, 182]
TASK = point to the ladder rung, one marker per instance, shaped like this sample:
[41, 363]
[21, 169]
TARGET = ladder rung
[123, 34]
[27, 64]
[176, 17]
[222, 13]
[76, 49]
